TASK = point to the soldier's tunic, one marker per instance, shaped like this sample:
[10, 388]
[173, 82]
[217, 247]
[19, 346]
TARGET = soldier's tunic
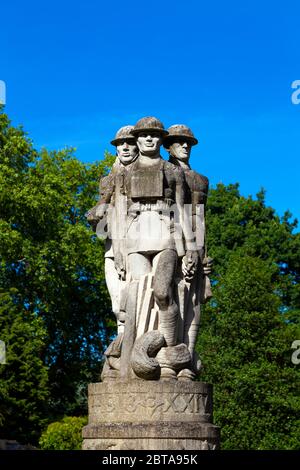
[151, 192]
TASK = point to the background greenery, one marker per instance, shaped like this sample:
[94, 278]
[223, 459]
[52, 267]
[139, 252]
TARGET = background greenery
[64, 434]
[55, 315]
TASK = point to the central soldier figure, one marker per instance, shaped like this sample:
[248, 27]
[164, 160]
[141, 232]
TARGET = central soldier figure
[153, 185]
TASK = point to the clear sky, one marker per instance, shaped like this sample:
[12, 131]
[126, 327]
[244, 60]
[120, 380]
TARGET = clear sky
[77, 71]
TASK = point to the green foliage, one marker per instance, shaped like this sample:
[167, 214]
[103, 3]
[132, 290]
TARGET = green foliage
[52, 270]
[24, 378]
[249, 326]
[63, 435]
[235, 222]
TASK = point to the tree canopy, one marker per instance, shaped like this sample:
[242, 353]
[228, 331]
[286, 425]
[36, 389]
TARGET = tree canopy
[52, 267]
[250, 324]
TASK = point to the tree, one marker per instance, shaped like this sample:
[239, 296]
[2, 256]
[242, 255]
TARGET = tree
[237, 222]
[24, 378]
[250, 324]
[52, 264]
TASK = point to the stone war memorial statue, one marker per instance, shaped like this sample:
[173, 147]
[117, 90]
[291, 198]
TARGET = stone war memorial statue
[151, 213]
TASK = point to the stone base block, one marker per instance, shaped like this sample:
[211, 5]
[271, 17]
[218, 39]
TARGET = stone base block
[151, 436]
[150, 415]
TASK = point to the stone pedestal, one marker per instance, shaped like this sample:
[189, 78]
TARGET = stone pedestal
[150, 415]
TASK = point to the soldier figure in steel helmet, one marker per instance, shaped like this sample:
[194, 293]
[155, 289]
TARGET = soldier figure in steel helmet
[127, 153]
[152, 186]
[193, 287]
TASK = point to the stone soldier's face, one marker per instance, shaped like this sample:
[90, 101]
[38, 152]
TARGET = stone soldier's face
[127, 151]
[149, 143]
[181, 150]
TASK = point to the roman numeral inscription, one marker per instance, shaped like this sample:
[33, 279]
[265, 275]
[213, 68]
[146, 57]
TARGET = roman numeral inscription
[152, 405]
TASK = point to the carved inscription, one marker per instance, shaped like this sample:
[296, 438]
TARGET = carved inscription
[151, 405]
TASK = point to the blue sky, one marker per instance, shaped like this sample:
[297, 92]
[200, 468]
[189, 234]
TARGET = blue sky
[77, 71]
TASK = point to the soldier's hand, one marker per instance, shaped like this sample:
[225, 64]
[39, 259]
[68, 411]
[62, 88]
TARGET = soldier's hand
[207, 266]
[100, 211]
[92, 219]
[120, 266]
[189, 264]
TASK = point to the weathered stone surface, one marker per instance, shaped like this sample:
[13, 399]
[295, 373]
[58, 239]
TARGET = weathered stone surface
[150, 415]
[138, 400]
[146, 196]
[151, 436]
[176, 357]
[143, 362]
[130, 331]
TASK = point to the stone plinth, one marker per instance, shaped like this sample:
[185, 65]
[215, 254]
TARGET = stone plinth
[150, 415]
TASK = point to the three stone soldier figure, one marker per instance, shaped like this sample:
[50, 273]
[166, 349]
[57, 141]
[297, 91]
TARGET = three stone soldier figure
[155, 278]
